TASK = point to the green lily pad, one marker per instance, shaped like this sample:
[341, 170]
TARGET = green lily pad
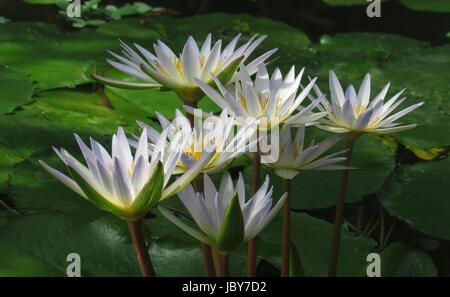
[319, 189]
[424, 74]
[42, 242]
[429, 5]
[352, 55]
[56, 115]
[418, 195]
[172, 245]
[43, 1]
[8, 158]
[103, 244]
[53, 58]
[153, 100]
[35, 190]
[20, 263]
[17, 89]
[345, 2]
[312, 238]
[397, 259]
[133, 30]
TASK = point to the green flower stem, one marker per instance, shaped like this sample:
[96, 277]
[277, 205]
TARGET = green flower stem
[286, 241]
[251, 247]
[207, 257]
[332, 269]
[225, 265]
[217, 261]
[140, 248]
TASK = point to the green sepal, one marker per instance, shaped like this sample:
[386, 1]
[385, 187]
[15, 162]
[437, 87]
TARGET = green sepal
[227, 74]
[185, 227]
[150, 194]
[232, 229]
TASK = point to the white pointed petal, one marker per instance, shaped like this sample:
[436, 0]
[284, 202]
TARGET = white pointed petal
[302, 96]
[391, 101]
[380, 96]
[253, 44]
[240, 190]
[100, 152]
[152, 134]
[229, 49]
[161, 78]
[105, 177]
[148, 55]
[364, 92]
[252, 67]
[87, 153]
[226, 189]
[271, 215]
[142, 147]
[121, 148]
[333, 128]
[209, 187]
[122, 189]
[337, 94]
[130, 70]
[322, 163]
[206, 47]
[348, 115]
[126, 84]
[394, 129]
[211, 62]
[400, 114]
[165, 49]
[190, 61]
[211, 93]
[167, 64]
[70, 183]
[139, 175]
[350, 95]
[363, 120]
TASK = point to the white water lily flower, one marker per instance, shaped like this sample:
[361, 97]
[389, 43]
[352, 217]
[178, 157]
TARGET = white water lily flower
[352, 112]
[224, 217]
[124, 185]
[164, 67]
[219, 132]
[294, 158]
[272, 100]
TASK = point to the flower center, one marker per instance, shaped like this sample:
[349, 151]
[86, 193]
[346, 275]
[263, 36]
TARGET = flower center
[358, 110]
[179, 67]
[202, 61]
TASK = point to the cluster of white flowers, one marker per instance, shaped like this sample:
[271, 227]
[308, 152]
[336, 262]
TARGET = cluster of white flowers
[253, 101]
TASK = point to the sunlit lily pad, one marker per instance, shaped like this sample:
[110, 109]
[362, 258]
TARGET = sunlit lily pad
[17, 89]
[52, 58]
[56, 115]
